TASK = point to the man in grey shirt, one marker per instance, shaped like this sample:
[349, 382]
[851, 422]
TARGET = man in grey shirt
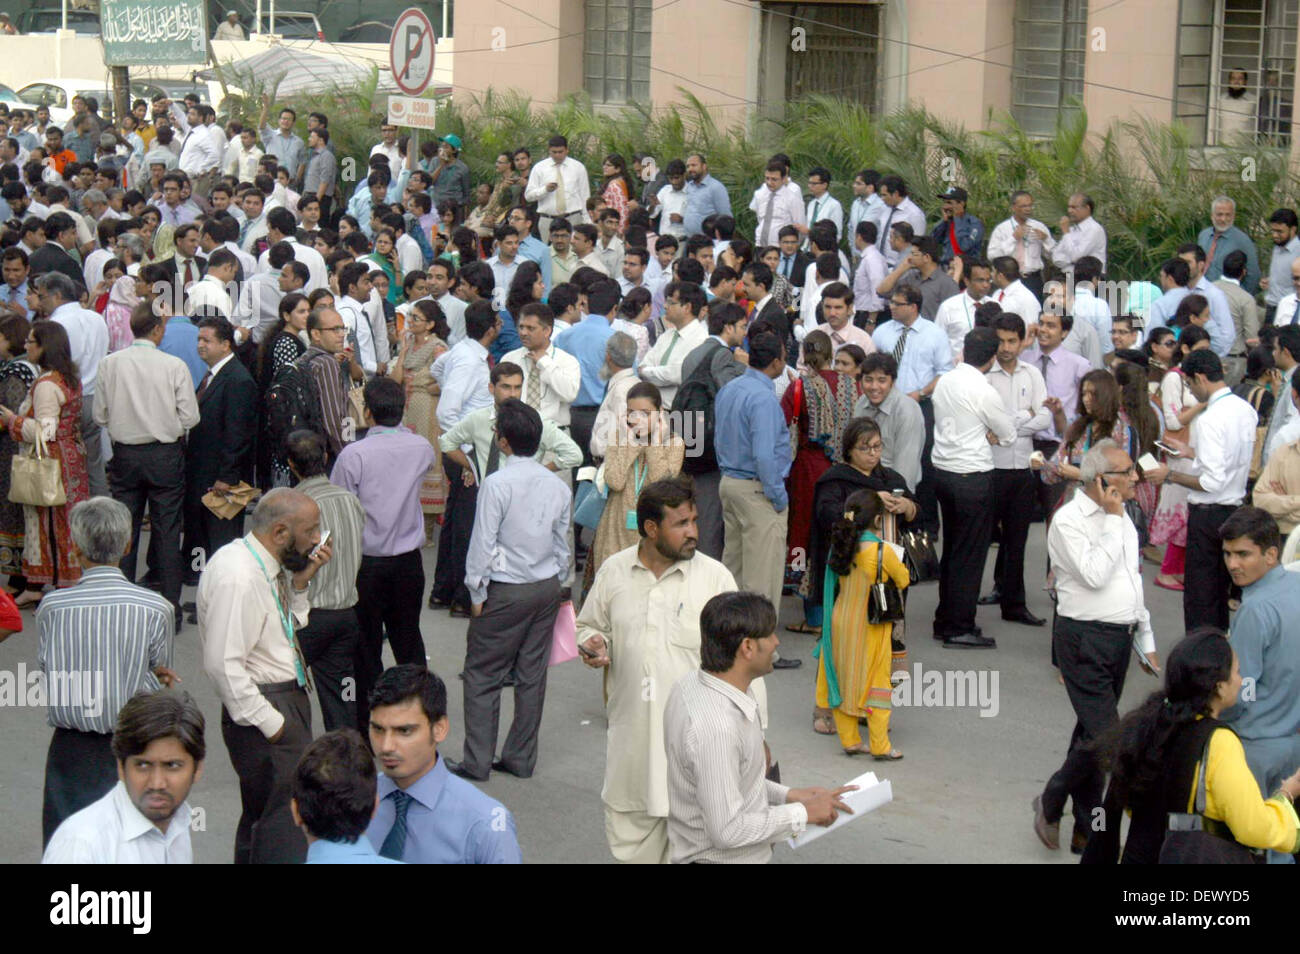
[282, 143]
[902, 426]
[322, 170]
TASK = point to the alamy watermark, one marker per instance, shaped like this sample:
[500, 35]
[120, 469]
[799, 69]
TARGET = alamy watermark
[950, 689]
[76, 689]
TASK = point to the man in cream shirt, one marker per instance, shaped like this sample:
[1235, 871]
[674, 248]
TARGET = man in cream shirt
[560, 187]
[683, 333]
[641, 624]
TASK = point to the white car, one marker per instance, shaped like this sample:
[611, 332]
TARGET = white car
[57, 94]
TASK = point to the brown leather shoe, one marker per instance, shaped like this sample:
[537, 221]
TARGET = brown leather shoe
[1049, 833]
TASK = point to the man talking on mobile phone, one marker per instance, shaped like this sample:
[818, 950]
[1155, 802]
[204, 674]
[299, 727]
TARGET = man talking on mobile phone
[1100, 614]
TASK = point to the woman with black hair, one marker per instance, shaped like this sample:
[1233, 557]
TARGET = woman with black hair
[853, 674]
[526, 287]
[1172, 761]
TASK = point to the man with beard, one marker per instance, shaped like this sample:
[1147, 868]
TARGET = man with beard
[252, 600]
[1237, 110]
[1282, 226]
[641, 624]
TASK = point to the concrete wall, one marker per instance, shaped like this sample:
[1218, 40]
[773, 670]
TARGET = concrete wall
[1133, 75]
[538, 52]
[951, 59]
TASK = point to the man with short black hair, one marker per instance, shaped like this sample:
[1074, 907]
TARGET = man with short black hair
[1081, 234]
[1286, 246]
[957, 232]
[385, 470]
[955, 316]
[517, 560]
[585, 341]
[425, 816]
[145, 818]
[900, 209]
[822, 206]
[1245, 314]
[334, 800]
[559, 185]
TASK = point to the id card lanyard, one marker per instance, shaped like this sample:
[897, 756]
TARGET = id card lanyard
[639, 471]
[286, 621]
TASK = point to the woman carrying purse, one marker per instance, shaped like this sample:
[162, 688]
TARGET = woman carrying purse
[853, 674]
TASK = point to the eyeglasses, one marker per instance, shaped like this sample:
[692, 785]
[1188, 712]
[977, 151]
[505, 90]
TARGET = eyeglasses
[873, 448]
[334, 328]
[899, 304]
[1131, 472]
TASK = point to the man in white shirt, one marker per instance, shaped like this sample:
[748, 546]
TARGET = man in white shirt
[609, 246]
[635, 261]
[869, 272]
[145, 819]
[1219, 451]
[774, 205]
[662, 366]
[88, 339]
[822, 206]
[721, 807]
[354, 295]
[968, 417]
[1084, 303]
[1023, 238]
[1101, 617]
[1081, 234]
[560, 187]
[1023, 394]
[867, 206]
[899, 208]
[955, 316]
[822, 273]
[441, 276]
[1238, 111]
[585, 238]
[551, 376]
[670, 208]
[837, 310]
[211, 290]
[388, 146]
[281, 227]
[199, 153]
[243, 163]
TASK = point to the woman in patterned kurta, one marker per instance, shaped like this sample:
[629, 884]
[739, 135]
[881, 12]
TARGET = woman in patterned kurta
[53, 410]
[16, 377]
[282, 345]
[645, 451]
[427, 338]
[854, 656]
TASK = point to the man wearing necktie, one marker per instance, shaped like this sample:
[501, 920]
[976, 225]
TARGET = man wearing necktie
[775, 205]
[13, 292]
[426, 814]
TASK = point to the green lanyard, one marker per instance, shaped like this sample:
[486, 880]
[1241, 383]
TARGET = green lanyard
[639, 472]
[286, 619]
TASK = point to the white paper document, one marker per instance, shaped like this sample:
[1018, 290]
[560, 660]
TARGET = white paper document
[871, 794]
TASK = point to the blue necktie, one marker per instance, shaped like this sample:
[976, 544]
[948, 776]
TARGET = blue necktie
[395, 842]
[786, 264]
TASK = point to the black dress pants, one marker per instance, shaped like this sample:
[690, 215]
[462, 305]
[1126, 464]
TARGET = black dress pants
[582, 421]
[1205, 578]
[965, 501]
[79, 770]
[926, 497]
[266, 832]
[153, 474]
[329, 644]
[1013, 496]
[453, 540]
[1094, 661]
[389, 592]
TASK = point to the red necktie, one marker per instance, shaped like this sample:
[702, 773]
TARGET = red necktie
[189, 273]
[1209, 256]
[1001, 295]
[952, 237]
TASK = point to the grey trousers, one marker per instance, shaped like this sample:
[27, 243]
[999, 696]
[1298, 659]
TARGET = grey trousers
[513, 633]
[91, 436]
[708, 505]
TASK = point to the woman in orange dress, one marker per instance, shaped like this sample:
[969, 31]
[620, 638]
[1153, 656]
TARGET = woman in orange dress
[617, 188]
[426, 338]
[52, 410]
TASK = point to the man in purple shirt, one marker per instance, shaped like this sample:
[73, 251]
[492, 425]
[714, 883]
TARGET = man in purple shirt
[384, 470]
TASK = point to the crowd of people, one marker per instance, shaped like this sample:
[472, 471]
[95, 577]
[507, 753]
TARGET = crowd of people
[596, 394]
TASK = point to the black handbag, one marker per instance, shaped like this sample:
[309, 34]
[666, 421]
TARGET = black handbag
[919, 556]
[1193, 839]
[885, 604]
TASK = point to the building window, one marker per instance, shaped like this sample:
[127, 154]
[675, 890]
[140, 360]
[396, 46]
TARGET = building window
[1047, 63]
[1220, 44]
[617, 50]
[840, 54]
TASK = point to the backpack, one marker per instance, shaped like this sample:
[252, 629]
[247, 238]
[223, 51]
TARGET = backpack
[694, 403]
[292, 404]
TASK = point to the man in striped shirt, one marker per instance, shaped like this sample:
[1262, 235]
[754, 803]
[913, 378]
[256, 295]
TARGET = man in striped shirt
[329, 640]
[100, 642]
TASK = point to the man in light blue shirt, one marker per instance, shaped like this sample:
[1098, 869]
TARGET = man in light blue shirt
[333, 800]
[533, 249]
[282, 142]
[1222, 331]
[1175, 277]
[1286, 246]
[705, 195]
[426, 815]
[1267, 713]
[586, 342]
[518, 558]
[752, 443]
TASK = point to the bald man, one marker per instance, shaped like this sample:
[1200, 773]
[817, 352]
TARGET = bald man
[252, 601]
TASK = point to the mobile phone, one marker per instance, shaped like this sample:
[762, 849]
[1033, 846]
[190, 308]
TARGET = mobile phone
[586, 652]
[324, 538]
[898, 493]
[1171, 451]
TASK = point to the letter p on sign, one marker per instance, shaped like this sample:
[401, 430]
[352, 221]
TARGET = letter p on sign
[410, 52]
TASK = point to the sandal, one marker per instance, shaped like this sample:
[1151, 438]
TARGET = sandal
[1169, 583]
[823, 723]
[28, 598]
[805, 628]
[893, 755]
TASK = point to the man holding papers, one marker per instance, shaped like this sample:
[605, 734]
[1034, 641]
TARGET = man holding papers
[723, 810]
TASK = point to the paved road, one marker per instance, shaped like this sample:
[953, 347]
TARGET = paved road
[961, 794]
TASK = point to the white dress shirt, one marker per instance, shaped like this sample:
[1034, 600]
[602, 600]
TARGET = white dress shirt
[87, 338]
[1019, 300]
[869, 208]
[871, 271]
[906, 211]
[199, 152]
[787, 209]
[1022, 392]
[1223, 437]
[209, 291]
[1098, 567]
[258, 307]
[576, 190]
[955, 317]
[561, 377]
[462, 371]
[409, 256]
[1096, 312]
[317, 273]
[662, 366]
[1081, 239]
[811, 298]
[966, 408]
[246, 261]
[671, 201]
[453, 309]
[1002, 241]
[111, 831]
[1221, 328]
[354, 316]
[827, 207]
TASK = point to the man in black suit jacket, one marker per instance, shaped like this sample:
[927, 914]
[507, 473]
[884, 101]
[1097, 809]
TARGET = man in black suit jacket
[794, 261]
[53, 256]
[757, 281]
[212, 237]
[186, 239]
[219, 449]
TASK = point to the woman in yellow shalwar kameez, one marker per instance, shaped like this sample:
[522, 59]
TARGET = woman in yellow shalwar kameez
[855, 655]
